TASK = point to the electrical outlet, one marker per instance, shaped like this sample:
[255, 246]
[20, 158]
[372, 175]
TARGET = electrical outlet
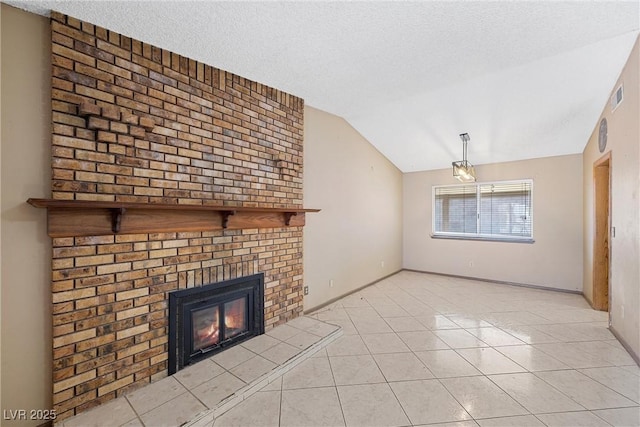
[306, 290]
[622, 311]
[331, 283]
[470, 263]
[382, 264]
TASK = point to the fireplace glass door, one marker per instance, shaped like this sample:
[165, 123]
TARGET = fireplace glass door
[215, 324]
[209, 331]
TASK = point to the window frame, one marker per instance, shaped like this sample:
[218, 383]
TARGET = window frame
[480, 236]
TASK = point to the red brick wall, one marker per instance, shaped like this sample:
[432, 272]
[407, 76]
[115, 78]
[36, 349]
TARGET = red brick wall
[132, 122]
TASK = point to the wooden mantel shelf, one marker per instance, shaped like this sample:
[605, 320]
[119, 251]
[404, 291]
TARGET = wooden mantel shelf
[76, 218]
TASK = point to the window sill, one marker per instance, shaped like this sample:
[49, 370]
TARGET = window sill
[485, 239]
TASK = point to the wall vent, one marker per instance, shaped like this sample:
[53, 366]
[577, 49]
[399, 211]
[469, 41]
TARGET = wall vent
[616, 98]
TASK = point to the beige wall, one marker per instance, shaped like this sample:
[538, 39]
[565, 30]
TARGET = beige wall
[623, 141]
[26, 248]
[554, 260]
[360, 225]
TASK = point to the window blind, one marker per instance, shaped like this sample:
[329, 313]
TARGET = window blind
[456, 209]
[484, 210]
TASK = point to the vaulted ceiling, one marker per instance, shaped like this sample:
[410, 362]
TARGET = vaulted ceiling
[525, 79]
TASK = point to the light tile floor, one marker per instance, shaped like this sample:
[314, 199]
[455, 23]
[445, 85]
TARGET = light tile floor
[422, 349]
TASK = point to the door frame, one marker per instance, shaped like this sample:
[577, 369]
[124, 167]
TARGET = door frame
[601, 295]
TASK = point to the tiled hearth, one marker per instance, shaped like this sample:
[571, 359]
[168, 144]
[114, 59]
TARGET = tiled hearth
[207, 389]
[420, 349]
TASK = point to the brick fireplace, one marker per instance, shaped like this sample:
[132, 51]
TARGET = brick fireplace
[136, 124]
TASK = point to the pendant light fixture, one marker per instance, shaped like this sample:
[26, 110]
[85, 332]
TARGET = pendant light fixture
[463, 170]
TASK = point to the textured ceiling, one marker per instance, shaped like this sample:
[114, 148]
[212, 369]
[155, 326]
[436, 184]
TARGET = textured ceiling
[524, 79]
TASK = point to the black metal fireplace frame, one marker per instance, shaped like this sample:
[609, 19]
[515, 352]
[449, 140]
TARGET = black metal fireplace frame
[183, 302]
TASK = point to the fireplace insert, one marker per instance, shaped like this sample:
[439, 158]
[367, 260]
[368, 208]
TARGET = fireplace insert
[210, 318]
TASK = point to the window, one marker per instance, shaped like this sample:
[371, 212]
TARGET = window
[486, 211]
